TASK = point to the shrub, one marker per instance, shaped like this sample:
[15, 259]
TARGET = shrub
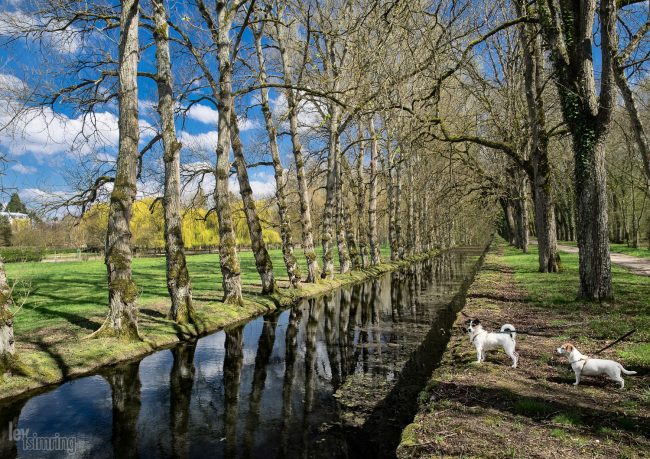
[21, 254]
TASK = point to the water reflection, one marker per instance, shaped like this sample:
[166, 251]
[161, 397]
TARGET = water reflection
[124, 381]
[181, 380]
[312, 381]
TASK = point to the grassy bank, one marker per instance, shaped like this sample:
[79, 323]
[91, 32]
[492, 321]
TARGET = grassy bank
[67, 301]
[491, 410]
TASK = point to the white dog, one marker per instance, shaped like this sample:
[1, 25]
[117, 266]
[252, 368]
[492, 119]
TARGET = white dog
[583, 365]
[484, 341]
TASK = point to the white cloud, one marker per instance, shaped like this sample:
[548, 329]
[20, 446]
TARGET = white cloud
[203, 114]
[247, 124]
[204, 142]
[208, 115]
[262, 184]
[43, 132]
[43, 197]
[22, 169]
[308, 115]
[66, 41]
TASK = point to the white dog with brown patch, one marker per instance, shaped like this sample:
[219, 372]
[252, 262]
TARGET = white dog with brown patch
[583, 365]
[486, 341]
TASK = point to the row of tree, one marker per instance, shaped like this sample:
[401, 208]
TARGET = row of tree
[444, 111]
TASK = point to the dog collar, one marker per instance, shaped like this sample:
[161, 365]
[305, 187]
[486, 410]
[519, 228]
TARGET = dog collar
[476, 336]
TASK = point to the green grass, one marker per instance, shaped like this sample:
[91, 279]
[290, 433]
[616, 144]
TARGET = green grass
[569, 419]
[531, 407]
[642, 251]
[72, 291]
[607, 321]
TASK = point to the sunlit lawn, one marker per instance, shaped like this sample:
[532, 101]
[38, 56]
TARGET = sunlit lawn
[75, 291]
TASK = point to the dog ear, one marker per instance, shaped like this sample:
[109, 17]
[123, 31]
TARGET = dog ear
[477, 322]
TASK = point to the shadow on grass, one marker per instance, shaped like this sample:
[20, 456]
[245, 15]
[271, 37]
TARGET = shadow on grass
[539, 408]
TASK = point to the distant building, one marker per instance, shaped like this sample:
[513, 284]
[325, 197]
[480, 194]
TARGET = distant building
[11, 216]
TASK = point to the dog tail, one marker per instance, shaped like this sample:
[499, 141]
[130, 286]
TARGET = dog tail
[626, 372]
[510, 329]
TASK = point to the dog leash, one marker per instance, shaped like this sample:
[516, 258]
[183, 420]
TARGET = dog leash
[616, 341]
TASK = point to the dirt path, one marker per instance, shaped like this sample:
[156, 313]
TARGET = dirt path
[637, 265]
[490, 410]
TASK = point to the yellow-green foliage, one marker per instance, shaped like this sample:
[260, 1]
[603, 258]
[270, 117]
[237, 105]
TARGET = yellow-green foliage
[200, 230]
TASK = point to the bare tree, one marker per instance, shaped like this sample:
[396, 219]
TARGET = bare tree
[178, 278]
[567, 28]
[122, 319]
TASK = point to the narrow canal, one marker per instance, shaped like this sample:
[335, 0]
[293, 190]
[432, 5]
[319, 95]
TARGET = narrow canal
[335, 376]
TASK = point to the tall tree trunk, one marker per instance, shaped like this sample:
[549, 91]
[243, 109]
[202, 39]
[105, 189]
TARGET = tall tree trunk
[373, 238]
[7, 347]
[303, 191]
[280, 180]
[178, 278]
[548, 256]
[263, 261]
[399, 240]
[228, 258]
[520, 210]
[340, 220]
[122, 319]
[361, 200]
[568, 34]
[410, 211]
[350, 239]
[392, 216]
[633, 113]
[327, 237]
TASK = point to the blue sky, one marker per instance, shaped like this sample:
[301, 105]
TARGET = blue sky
[48, 146]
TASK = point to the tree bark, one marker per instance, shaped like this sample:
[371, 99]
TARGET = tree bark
[122, 319]
[178, 279]
[373, 238]
[280, 180]
[348, 230]
[548, 255]
[340, 221]
[7, 346]
[568, 33]
[410, 211]
[263, 261]
[633, 113]
[228, 259]
[361, 200]
[392, 219]
[303, 191]
[399, 241]
[327, 237]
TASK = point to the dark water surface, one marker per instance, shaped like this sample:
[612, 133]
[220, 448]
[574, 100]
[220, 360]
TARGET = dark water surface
[336, 376]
